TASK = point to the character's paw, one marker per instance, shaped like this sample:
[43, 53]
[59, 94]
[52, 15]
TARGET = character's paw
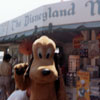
[20, 68]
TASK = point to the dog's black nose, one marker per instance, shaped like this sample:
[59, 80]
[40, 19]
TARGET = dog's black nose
[45, 72]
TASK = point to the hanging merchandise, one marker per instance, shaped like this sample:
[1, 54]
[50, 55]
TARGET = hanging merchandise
[84, 49]
[93, 70]
[74, 63]
[95, 89]
[93, 48]
[26, 47]
[77, 40]
[98, 38]
[71, 79]
[84, 53]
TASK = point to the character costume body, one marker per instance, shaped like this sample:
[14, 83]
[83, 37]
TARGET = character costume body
[44, 77]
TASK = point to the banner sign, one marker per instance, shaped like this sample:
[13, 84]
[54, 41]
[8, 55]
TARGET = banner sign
[63, 13]
[3, 29]
[83, 85]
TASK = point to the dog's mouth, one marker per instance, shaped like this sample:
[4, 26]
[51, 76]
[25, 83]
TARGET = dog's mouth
[45, 76]
[44, 80]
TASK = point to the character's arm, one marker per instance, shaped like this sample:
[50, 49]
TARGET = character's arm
[21, 81]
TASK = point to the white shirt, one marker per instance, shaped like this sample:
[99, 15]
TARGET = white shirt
[18, 95]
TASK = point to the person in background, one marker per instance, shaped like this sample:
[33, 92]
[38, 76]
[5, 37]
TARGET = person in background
[5, 77]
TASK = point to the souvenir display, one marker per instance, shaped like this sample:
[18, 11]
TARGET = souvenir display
[77, 41]
[93, 70]
[98, 38]
[74, 63]
[93, 48]
[84, 53]
[71, 79]
[95, 89]
[84, 49]
[83, 92]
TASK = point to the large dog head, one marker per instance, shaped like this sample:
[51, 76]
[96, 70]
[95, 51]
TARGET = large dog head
[43, 69]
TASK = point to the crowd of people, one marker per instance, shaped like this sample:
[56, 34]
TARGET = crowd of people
[8, 89]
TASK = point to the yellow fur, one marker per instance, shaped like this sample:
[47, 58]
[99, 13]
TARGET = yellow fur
[42, 87]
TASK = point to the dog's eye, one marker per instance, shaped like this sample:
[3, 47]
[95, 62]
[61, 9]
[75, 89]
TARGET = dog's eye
[39, 51]
[40, 55]
[47, 56]
[49, 51]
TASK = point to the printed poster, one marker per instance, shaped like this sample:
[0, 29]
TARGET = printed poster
[93, 48]
[83, 85]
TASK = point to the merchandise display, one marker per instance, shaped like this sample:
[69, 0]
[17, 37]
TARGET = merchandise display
[84, 70]
[93, 70]
[83, 79]
[74, 63]
[95, 89]
[71, 79]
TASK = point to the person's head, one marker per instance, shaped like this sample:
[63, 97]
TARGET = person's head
[7, 57]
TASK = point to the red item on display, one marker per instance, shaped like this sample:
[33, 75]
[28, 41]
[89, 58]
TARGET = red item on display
[77, 40]
[98, 38]
[26, 47]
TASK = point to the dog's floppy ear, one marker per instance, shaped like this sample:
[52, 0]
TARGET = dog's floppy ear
[28, 68]
[61, 93]
[57, 82]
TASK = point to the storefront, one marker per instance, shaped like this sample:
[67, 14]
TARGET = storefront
[74, 26]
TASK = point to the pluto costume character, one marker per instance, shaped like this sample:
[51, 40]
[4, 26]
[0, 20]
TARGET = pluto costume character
[44, 79]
